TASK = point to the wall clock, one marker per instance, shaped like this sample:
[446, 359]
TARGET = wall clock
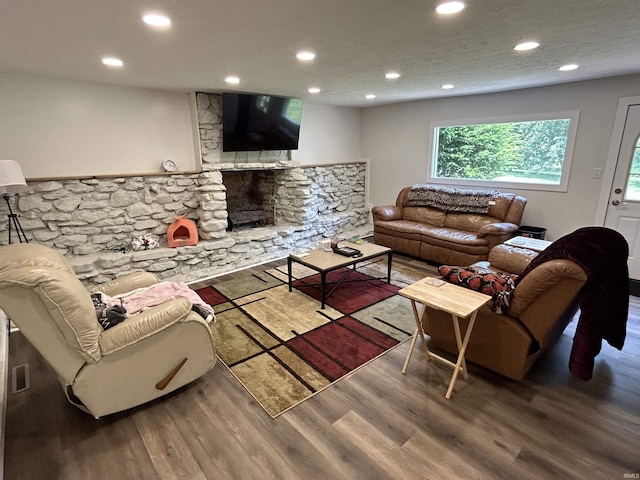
[169, 165]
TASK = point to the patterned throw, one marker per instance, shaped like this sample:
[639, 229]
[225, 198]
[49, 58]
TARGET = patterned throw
[497, 284]
[451, 199]
[284, 348]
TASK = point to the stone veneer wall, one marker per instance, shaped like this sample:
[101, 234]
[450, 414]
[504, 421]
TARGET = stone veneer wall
[86, 219]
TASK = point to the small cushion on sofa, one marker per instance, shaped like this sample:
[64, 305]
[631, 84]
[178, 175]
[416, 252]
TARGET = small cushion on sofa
[478, 279]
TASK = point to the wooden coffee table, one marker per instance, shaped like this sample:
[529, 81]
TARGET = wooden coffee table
[324, 262]
[460, 302]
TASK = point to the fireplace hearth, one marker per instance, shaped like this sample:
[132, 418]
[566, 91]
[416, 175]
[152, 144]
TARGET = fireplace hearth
[249, 215]
[250, 198]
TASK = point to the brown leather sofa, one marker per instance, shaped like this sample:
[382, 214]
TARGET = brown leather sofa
[542, 305]
[446, 237]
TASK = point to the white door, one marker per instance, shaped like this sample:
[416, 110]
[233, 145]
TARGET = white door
[623, 211]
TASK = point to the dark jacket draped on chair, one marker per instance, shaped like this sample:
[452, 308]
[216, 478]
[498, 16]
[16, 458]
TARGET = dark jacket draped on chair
[604, 304]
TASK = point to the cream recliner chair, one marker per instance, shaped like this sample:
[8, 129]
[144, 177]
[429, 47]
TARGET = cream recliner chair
[102, 371]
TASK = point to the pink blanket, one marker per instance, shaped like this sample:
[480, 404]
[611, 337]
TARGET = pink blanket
[143, 298]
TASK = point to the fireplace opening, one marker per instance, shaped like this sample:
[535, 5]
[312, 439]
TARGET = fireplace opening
[250, 198]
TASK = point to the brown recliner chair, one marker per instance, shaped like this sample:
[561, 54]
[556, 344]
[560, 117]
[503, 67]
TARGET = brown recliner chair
[542, 305]
[101, 371]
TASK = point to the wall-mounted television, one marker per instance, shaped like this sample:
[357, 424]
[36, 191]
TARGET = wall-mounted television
[253, 122]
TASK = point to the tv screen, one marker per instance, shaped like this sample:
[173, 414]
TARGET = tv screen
[260, 122]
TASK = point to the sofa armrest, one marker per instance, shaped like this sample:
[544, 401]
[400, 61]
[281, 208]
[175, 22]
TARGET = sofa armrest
[511, 259]
[126, 283]
[503, 228]
[387, 212]
[147, 323]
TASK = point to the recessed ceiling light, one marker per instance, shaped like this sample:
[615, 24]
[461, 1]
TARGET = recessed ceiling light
[392, 75]
[371, 96]
[232, 79]
[305, 56]
[314, 90]
[566, 68]
[156, 20]
[447, 8]
[447, 86]
[112, 62]
[526, 46]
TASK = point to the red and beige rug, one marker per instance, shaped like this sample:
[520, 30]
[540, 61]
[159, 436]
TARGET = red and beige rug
[284, 348]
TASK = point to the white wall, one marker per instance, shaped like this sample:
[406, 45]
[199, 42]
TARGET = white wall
[68, 128]
[395, 139]
[62, 128]
[328, 135]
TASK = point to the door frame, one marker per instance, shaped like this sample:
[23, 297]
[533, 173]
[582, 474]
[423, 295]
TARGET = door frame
[612, 157]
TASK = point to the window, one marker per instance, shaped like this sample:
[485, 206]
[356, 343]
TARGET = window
[632, 192]
[293, 110]
[528, 153]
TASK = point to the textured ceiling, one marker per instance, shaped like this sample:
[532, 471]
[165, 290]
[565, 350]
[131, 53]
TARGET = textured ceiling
[356, 42]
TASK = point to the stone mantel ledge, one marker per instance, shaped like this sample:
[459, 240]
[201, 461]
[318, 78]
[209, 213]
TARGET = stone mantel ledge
[234, 166]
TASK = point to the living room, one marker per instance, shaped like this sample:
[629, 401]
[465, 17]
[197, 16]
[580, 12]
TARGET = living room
[59, 128]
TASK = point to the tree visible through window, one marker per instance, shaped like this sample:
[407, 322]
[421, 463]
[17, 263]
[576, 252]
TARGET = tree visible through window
[523, 152]
[632, 191]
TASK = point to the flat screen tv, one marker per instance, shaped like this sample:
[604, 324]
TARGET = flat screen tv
[253, 122]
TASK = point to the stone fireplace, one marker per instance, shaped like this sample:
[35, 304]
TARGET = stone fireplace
[250, 198]
[93, 220]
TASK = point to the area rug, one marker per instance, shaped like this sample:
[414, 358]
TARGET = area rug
[284, 348]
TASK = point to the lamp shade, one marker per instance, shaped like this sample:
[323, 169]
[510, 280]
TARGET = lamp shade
[11, 177]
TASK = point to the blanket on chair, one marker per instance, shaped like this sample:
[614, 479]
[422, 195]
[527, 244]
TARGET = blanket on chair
[135, 301]
[451, 199]
[604, 305]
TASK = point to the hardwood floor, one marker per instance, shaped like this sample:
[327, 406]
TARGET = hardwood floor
[375, 424]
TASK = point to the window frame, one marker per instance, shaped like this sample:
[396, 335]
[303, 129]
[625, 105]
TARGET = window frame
[572, 115]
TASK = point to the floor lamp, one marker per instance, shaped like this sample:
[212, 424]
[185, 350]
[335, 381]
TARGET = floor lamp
[12, 182]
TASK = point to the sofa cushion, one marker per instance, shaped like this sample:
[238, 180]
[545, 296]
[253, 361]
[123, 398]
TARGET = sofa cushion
[479, 279]
[469, 222]
[404, 228]
[432, 216]
[451, 236]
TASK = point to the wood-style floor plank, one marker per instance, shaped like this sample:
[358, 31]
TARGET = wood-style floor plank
[382, 450]
[374, 424]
